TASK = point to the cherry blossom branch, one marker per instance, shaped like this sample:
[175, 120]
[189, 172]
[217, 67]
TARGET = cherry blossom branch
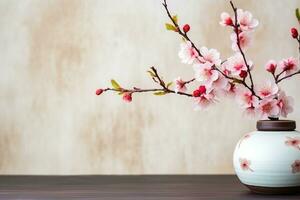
[236, 27]
[277, 77]
[134, 90]
[239, 81]
[183, 34]
[163, 85]
[236, 30]
[155, 76]
[277, 105]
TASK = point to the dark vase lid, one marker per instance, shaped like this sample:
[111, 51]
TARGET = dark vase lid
[276, 125]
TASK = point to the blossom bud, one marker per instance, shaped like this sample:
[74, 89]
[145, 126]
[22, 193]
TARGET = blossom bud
[127, 97]
[202, 89]
[229, 21]
[186, 28]
[243, 74]
[99, 91]
[271, 66]
[294, 32]
[197, 93]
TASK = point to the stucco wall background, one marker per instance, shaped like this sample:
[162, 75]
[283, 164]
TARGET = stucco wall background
[55, 53]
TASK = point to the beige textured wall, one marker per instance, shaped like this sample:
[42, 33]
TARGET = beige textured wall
[55, 53]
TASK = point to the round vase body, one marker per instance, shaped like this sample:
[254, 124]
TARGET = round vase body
[269, 161]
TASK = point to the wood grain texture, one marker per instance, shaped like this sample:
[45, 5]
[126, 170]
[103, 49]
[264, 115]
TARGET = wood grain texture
[150, 187]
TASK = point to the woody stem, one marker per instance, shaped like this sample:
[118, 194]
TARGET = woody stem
[184, 35]
[277, 78]
[180, 32]
[163, 88]
[236, 30]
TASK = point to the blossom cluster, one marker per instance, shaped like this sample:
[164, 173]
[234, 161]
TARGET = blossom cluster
[231, 77]
[265, 100]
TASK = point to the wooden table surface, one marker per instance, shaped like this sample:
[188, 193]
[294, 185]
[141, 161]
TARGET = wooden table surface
[149, 187]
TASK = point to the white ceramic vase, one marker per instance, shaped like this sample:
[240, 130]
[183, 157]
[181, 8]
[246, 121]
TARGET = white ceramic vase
[268, 160]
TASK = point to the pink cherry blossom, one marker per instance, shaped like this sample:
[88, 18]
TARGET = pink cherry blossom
[226, 20]
[246, 99]
[293, 142]
[204, 100]
[285, 104]
[246, 20]
[205, 74]
[179, 85]
[288, 65]
[236, 64]
[210, 55]
[296, 166]
[230, 89]
[220, 84]
[245, 164]
[271, 66]
[187, 53]
[268, 108]
[269, 89]
[245, 41]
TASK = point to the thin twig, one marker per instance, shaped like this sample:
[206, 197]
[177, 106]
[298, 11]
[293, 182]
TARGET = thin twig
[178, 28]
[190, 81]
[298, 40]
[160, 81]
[147, 90]
[134, 90]
[277, 77]
[236, 30]
[288, 76]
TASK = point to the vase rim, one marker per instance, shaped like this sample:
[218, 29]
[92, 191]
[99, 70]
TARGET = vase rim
[276, 125]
